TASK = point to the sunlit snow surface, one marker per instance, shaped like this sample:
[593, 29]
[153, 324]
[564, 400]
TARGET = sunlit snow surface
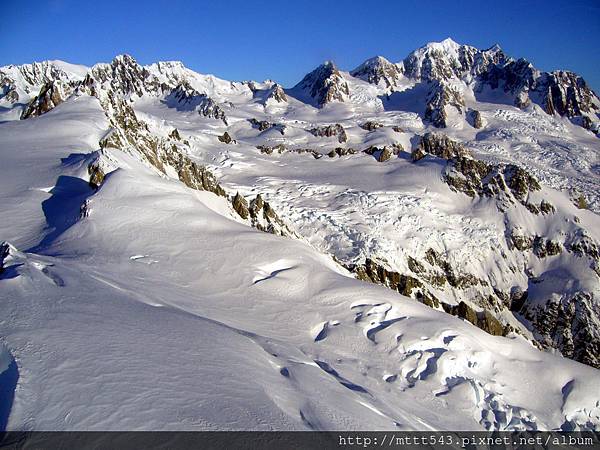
[160, 310]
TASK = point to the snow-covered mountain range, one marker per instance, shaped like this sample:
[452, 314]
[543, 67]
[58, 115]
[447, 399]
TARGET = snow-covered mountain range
[410, 245]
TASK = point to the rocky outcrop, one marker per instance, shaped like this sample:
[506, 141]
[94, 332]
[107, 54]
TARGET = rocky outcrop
[407, 285]
[261, 215]
[384, 153]
[379, 71]
[263, 125]
[371, 125]
[475, 119]
[187, 97]
[226, 138]
[96, 174]
[330, 131]
[566, 94]
[8, 89]
[324, 85]
[376, 272]
[438, 145]
[131, 134]
[440, 97]
[279, 148]
[240, 205]
[569, 324]
[341, 151]
[125, 77]
[507, 183]
[277, 94]
[51, 95]
[483, 319]
[4, 253]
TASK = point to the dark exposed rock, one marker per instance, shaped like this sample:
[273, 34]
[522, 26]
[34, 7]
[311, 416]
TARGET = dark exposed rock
[325, 84]
[261, 215]
[132, 134]
[8, 89]
[341, 151]
[175, 134]
[330, 131]
[125, 76]
[51, 95]
[398, 129]
[521, 242]
[441, 96]
[371, 125]
[407, 285]
[277, 93]
[488, 323]
[241, 206]
[256, 205]
[444, 272]
[518, 297]
[263, 125]
[438, 145]
[545, 247]
[384, 153]
[4, 253]
[583, 245]
[568, 324]
[187, 97]
[475, 119]
[565, 93]
[484, 319]
[96, 175]
[581, 202]
[226, 138]
[505, 182]
[279, 148]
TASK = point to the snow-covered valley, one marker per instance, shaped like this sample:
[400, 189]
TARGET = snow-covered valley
[139, 289]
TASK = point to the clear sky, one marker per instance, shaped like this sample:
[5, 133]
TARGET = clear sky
[283, 40]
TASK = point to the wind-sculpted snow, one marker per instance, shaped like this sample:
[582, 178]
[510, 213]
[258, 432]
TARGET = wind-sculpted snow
[133, 199]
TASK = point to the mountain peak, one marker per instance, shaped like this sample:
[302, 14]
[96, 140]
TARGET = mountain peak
[494, 48]
[377, 70]
[323, 85]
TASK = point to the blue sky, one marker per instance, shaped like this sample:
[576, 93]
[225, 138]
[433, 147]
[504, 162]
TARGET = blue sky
[245, 39]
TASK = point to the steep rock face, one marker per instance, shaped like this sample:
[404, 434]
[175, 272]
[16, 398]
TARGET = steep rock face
[440, 97]
[277, 94]
[324, 85]
[566, 94]
[475, 119]
[379, 71]
[51, 95]
[569, 324]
